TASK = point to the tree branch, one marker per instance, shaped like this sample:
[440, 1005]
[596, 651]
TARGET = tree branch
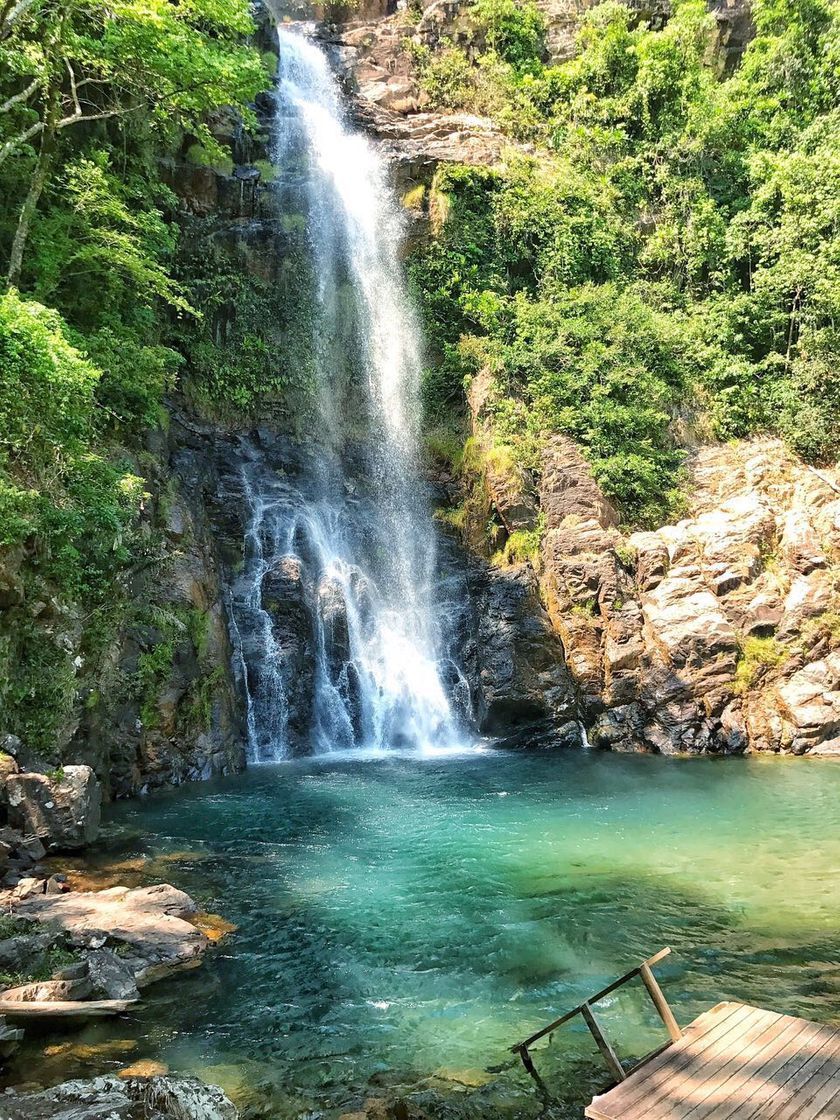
[24, 95]
[75, 118]
[11, 13]
[16, 141]
[73, 89]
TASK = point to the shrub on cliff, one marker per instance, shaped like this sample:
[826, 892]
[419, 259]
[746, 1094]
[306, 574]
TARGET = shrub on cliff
[665, 267]
[66, 511]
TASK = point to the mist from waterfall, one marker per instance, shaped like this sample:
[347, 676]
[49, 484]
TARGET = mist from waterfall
[357, 539]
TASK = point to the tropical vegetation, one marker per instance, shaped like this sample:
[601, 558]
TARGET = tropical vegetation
[657, 262]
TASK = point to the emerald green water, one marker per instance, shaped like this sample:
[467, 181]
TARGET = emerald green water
[403, 921]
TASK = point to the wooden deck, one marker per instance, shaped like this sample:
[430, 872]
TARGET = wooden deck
[734, 1062]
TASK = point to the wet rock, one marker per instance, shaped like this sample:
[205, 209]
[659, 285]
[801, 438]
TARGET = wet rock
[31, 847]
[48, 991]
[110, 976]
[116, 1098]
[62, 811]
[145, 1067]
[521, 687]
[24, 756]
[150, 922]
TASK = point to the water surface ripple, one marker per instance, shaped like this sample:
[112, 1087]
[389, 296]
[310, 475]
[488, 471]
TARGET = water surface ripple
[402, 921]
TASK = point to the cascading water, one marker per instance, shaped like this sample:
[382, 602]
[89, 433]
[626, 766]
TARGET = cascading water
[354, 535]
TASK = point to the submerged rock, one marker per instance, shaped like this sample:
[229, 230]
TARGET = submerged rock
[61, 810]
[115, 1098]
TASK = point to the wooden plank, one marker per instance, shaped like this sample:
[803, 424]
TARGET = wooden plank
[609, 1055]
[652, 1080]
[776, 1076]
[660, 1002]
[825, 1104]
[820, 1074]
[735, 1063]
[791, 1089]
[737, 1076]
[697, 1070]
[64, 1009]
[699, 1034]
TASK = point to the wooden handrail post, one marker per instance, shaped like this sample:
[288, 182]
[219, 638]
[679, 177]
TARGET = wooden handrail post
[660, 1003]
[609, 1055]
[526, 1060]
[585, 1009]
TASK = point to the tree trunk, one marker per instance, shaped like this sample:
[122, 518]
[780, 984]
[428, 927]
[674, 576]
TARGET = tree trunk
[30, 204]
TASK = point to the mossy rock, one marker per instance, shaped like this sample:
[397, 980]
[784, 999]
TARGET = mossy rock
[198, 155]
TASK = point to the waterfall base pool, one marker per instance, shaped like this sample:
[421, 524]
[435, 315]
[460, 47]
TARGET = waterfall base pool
[403, 921]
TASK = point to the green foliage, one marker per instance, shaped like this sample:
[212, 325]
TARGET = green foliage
[445, 446]
[510, 37]
[197, 711]
[522, 545]
[93, 96]
[667, 267]
[37, 684]
[513, 29]
[42, 968]
[67, 510]
[519, 284]
[756, 654]
[9, 926]
[153, 671]
[93, 60]
[252, 342]
[72, 505]
[174, 633]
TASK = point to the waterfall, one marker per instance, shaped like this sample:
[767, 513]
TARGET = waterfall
[351, 538]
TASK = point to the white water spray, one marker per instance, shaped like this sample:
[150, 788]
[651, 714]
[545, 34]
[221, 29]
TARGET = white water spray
[357, 533]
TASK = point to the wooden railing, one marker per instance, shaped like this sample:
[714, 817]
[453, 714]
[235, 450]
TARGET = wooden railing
[644, 970]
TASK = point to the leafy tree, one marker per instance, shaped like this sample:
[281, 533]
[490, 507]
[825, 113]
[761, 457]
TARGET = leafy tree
[666, 267]
[70, 64]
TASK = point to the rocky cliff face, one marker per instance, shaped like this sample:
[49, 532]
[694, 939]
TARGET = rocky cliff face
[720, 633]
[717, 634]
[163, 709]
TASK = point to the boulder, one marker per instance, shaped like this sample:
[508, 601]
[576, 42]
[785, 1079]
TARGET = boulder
[62, 810]
[150, 922]
[521, 688]
[715, 634]
[49, 991]
[110, 976]
[25, 951]
[8, 767]
[114, 1098]
[810, 703]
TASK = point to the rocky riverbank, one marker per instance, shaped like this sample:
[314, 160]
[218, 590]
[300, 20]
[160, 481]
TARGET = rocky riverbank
[121, 1098]
[69, 956]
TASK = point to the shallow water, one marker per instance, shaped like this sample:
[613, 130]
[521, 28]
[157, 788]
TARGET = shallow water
[402, 921]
